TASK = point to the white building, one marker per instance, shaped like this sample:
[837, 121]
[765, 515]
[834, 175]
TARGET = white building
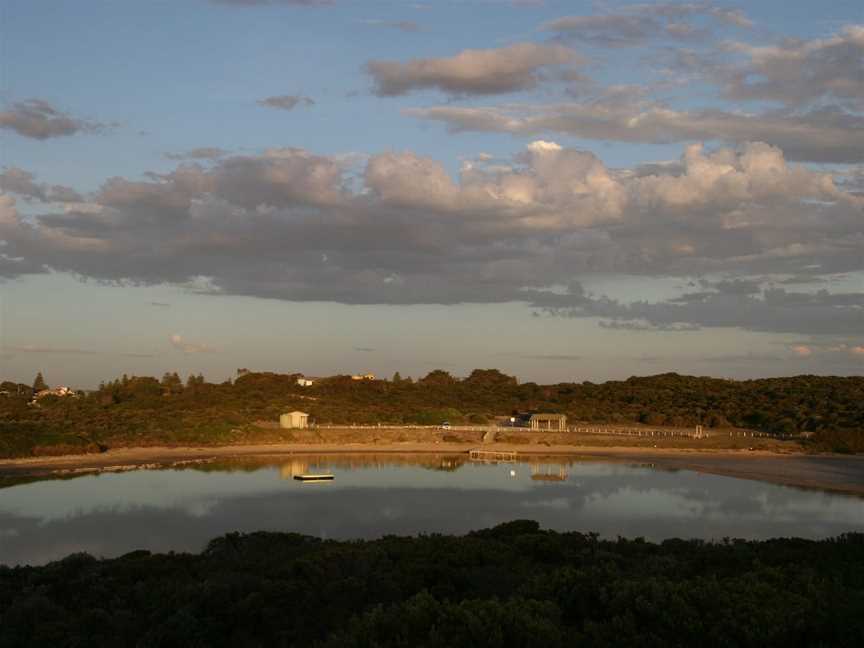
[56, 391]
[294, 420]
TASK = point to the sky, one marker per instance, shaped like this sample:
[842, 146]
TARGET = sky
[561, 190]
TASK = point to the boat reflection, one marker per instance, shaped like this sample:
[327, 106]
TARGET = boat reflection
[180, 508]
[548, 468]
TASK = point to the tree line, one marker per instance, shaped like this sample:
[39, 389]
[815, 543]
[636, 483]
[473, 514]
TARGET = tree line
[143, 410]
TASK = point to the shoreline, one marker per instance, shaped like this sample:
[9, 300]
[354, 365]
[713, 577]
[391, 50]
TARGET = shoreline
[835, 473]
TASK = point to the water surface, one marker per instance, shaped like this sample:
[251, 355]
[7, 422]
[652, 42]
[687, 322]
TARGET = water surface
[181, 509]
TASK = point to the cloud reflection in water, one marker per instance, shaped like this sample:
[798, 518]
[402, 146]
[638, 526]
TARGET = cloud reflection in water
[181, 510]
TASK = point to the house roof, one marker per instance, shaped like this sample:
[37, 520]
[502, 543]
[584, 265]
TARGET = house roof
[298, 412]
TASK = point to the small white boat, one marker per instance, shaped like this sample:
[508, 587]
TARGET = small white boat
[314, 478]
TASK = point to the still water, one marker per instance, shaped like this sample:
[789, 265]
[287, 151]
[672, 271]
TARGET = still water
[180, 509]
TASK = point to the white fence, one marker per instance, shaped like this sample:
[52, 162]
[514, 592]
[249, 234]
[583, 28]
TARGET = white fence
[697, 433]
[393, 426]
[606, 430]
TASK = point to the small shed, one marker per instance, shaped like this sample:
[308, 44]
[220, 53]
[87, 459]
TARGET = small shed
[294, 420]
[553, 422]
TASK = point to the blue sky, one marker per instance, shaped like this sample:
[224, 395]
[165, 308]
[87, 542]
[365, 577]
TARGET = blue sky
[563, 190]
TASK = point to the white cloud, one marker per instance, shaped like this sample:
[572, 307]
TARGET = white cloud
[821, 136]
[796, 71]
[181, 344]
[21, 182]
[635, 24]
[290, 224]
[38, 119]
[471, 72]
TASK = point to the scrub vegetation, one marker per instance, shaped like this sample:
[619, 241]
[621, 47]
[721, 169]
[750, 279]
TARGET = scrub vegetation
[141, 411]
[511, 585]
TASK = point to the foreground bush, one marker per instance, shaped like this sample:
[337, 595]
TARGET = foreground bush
[513, 585]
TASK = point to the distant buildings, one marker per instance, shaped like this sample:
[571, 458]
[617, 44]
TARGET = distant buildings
[550, 422]
[56, 391]
[9, 388]
[555, 422]
[293, 420]
[366, 376]
[305, 382]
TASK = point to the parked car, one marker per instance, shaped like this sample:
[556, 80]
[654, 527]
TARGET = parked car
[445, 425]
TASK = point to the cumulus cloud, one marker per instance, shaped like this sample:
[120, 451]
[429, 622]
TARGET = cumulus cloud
[181, 344]
[471, 72]
[290, 224]
[21, 182]
[821, 135]
[38, 119]
[807, 96]
[795, 71]
[774, 310]
[410, 180]
[286, 102]
[635, 24]
[610, 29]
[727, 178]
[827, 352]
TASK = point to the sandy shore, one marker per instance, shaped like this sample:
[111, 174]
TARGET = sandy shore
[825, 472]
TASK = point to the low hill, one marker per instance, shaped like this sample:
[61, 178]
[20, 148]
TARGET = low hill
[148, 411]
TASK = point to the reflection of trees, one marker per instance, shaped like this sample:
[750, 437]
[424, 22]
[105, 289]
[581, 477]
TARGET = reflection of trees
[299, 464]
[446, 462]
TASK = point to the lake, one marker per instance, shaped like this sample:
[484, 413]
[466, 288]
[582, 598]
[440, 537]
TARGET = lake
[181, 508]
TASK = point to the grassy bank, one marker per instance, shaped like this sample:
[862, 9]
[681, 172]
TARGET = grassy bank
[28, 444]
